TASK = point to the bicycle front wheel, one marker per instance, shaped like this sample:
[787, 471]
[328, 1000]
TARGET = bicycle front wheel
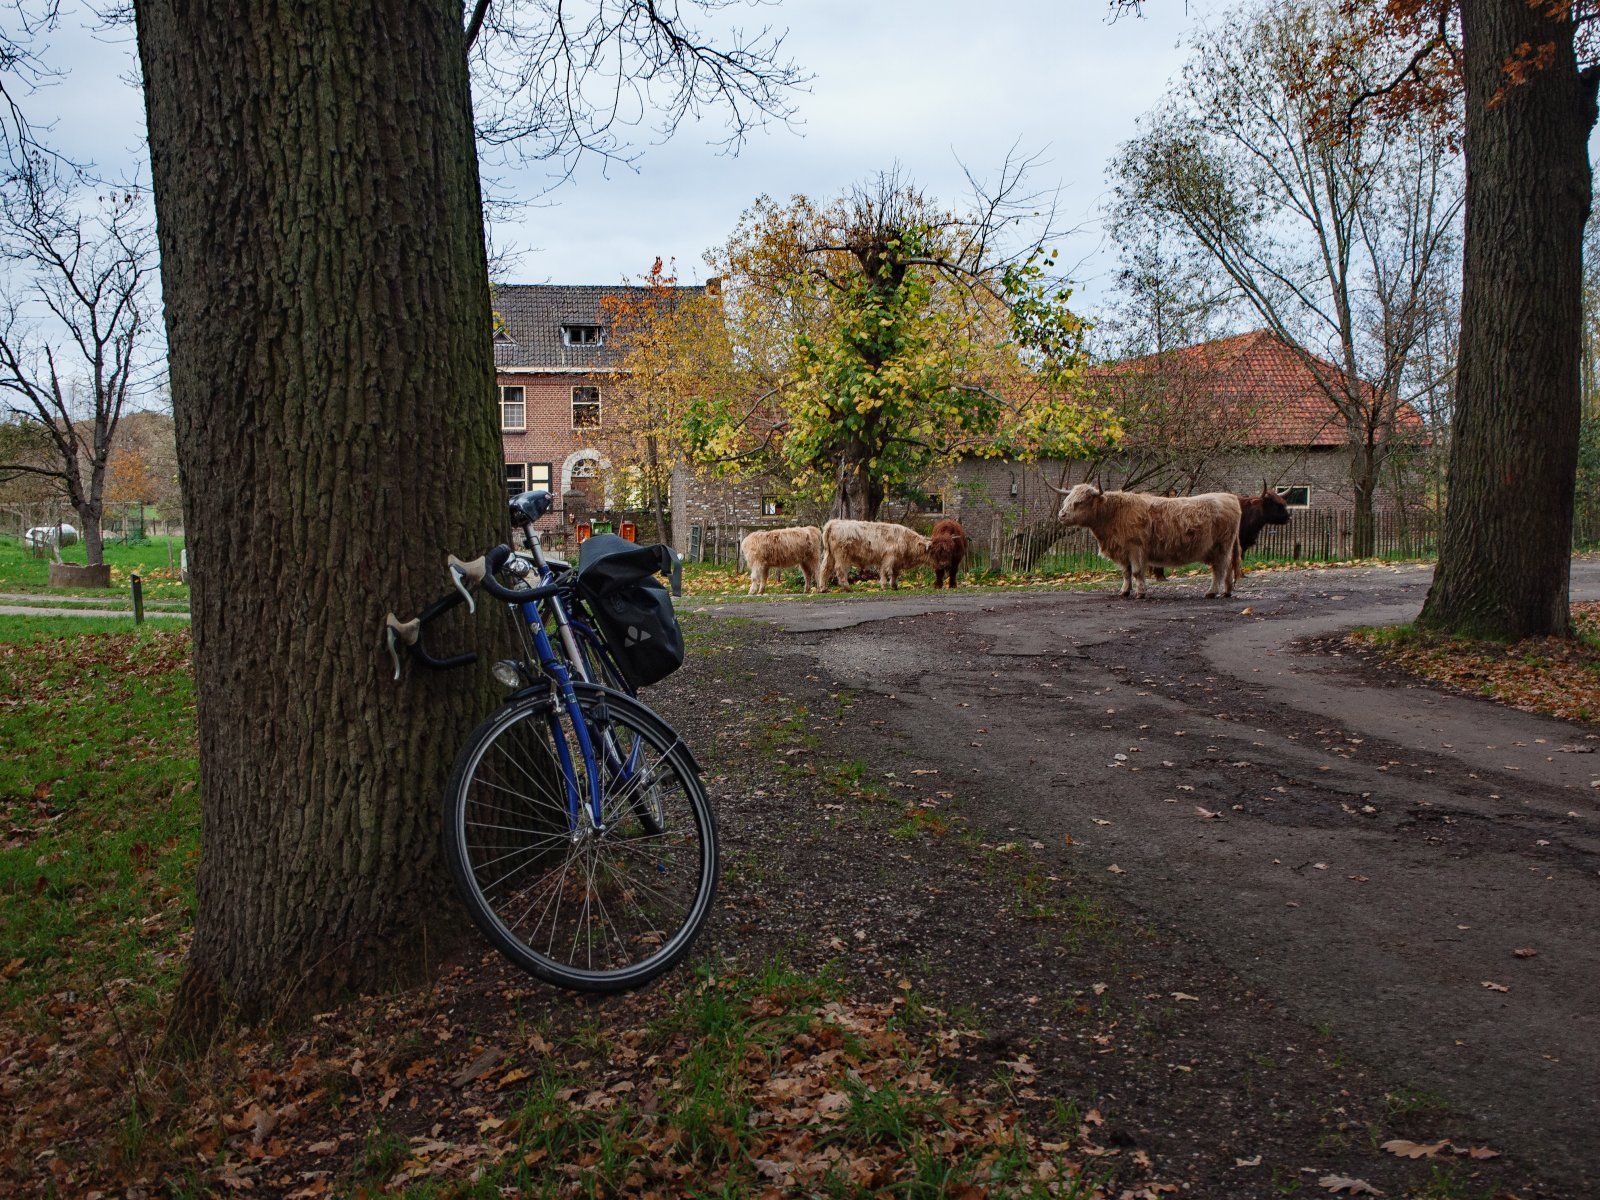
[599, 909]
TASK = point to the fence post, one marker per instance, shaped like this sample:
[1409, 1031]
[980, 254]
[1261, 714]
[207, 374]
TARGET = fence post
[995, 522]
[138, 598]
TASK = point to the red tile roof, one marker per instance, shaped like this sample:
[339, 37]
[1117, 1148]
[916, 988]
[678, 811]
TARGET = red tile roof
[1270, 382]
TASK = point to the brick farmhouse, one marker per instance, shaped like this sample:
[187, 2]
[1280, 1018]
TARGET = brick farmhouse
[556, 363]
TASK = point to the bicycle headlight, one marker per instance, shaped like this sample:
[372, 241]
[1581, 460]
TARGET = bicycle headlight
[507, 672]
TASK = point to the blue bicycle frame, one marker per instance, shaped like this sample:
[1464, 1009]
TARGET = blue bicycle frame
[556, 669]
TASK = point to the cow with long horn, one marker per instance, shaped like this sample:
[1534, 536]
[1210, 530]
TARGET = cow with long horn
[1139, 531]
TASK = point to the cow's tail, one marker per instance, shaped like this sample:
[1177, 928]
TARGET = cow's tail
[1238, 561]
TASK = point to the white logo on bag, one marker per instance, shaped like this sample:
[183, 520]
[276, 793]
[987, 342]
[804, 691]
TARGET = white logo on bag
[637, 635]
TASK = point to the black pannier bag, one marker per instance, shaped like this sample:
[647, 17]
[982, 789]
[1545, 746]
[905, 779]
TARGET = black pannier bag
[617, 580]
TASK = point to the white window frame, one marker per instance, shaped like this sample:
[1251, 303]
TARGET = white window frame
[568, 340]
[521, 402]
[772, 506]
[519, 470]
[598, 403]
[1298, 487]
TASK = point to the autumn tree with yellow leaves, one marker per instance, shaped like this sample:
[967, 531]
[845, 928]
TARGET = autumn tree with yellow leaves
[865, 342]
[671, 338]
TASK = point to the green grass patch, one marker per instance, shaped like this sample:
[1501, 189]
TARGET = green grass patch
[23, 571]
[98, 785]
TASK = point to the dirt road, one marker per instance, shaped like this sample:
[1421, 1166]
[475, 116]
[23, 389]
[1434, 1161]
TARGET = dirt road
[1370, 853]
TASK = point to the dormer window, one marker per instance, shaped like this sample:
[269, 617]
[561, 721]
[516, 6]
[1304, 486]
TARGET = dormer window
[582, 335]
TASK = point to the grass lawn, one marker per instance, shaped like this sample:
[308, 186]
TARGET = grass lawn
[22, 571]
[1545, 675]
[97, 779]
[733, 1079]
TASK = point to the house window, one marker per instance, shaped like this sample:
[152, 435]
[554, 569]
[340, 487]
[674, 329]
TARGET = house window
[513, 409]
[772, 506]
[1297, 497]
[527, 477]
[933, 502]
[582, 335]
[586, 408]
[586, 468]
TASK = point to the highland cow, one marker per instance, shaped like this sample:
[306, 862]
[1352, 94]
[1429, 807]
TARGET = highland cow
[774, 549]
[1139, 531]
[875, 546]
[947, 548]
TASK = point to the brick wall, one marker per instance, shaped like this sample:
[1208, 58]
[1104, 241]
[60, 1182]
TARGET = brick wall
[548, 437]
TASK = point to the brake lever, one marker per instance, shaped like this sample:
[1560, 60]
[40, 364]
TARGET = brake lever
[462, 572]
[396, 630]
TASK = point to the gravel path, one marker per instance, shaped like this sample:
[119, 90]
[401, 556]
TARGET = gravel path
[1370, 852]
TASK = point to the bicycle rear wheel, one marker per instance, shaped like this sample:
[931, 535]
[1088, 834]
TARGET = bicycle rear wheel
[594, 910]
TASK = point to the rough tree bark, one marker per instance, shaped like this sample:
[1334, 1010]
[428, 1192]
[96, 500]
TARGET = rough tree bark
[1364, 468]
[860, 493]
[1505, 548]
[328, 319]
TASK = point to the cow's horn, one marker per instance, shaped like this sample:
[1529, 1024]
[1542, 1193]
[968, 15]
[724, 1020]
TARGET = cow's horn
[1055, 489]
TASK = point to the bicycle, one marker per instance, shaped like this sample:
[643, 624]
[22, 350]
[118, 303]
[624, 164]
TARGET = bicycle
[576, 827]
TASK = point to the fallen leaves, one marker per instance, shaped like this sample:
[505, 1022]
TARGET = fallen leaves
[1345, 1185]
[1557, 676]
[1407, 1149]
[1404, 1149]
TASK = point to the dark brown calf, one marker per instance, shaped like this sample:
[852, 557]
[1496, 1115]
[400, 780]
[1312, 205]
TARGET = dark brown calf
[1255, 514]
[947, 548]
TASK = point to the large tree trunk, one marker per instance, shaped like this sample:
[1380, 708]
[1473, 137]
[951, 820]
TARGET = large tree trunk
[89, 517]
[859, 494]
[328, 321]
[1505, 548]
[1364, 486]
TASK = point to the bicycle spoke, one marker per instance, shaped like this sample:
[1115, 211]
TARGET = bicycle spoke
[578, 904]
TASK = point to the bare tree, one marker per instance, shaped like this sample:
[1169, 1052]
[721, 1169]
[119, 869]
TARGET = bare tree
[75, 331]
[557, 81]
[23, 70]
[1344, 246]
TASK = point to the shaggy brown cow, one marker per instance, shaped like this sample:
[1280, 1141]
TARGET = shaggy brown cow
[774, 549]
[947, 547]
[1255, 514]
[872, 545]
[1139, 531]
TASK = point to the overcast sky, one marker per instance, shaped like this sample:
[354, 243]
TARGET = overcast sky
[925, 83]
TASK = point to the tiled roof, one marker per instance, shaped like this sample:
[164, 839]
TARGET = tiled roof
[1270, 382]
[531, 316]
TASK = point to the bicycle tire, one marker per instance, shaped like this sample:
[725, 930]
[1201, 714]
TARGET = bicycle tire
[539, 842]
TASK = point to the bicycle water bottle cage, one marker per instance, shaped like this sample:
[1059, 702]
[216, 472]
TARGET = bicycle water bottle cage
[528, 507]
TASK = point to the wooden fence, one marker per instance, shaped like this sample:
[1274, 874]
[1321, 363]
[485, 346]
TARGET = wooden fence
[1312, 535]
[122, 522]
